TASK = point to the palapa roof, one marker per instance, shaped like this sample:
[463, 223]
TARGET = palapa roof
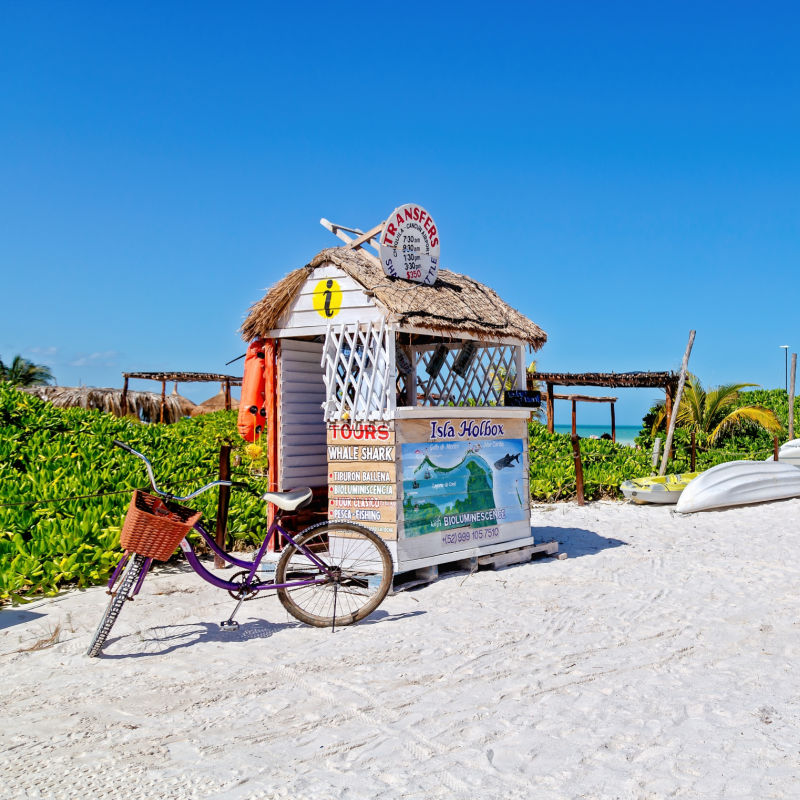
[453, 306]
[144, 405]
[618, 380]
[215, 403]
[185, 377]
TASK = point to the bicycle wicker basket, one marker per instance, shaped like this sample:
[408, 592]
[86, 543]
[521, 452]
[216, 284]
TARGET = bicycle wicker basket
[153, 535]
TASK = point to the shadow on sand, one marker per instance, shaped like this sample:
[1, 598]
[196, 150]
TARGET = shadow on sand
[163, 639]
[575, 542]
[15, 616]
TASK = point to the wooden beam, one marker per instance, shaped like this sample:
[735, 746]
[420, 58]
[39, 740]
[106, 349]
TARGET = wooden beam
[583, 398]
[643, 380]
[339, 232]
[124, 400]
[365, 237]
[163, 399]
[550, 408]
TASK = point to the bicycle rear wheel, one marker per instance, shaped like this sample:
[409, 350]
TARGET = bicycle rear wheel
[356, 577]
[129, 578]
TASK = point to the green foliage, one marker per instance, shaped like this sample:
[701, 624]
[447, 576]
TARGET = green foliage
[48, 453]
[605, 465]
[21, 372]
[713, 413]
[746, 441]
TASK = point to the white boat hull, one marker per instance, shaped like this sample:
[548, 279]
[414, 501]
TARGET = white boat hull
[789, 453]
[740, 483]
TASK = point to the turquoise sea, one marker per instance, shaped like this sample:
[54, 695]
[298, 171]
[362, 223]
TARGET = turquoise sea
[625, 433]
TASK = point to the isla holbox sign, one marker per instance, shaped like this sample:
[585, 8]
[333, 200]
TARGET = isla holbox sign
[409, 245]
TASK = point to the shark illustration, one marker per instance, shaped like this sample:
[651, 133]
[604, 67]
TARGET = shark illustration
[506, 461]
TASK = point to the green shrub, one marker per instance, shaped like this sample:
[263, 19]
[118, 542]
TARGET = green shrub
[605, 465]
[47, 454]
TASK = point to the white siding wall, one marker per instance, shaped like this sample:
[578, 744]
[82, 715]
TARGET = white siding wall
[302, 456]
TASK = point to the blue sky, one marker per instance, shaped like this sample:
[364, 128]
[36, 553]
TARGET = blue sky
[619, 172]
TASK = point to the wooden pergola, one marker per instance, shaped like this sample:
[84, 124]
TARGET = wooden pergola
[668, 381]
[226, 382]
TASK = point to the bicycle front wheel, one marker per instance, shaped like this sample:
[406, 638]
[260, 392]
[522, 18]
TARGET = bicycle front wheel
[129, 578]
[352, 577]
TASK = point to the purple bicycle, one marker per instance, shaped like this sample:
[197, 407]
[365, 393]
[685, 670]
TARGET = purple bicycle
[331, 573]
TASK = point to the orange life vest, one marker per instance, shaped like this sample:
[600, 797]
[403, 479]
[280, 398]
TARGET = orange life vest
[252, 411]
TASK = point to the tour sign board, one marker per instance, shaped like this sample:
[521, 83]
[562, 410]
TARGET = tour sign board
[409, 245]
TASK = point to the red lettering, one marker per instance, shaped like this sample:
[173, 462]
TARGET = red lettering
[434, 242]
[422, 215]
[345, 431]
[409, 214]
[427, 223]
[389, 233]
[399, 220]
[416, 212]
[433, 231]
[383, 433]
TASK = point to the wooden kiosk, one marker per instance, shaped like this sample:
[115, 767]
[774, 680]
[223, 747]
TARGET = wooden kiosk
[386, 395]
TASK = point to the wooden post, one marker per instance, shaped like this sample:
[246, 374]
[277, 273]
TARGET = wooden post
[574, 417]
[227, 390]
[124, 400]
[693, 451]
[163, 399]
[775, 447]
[576, 456]
[668, 405]
[613, 424]
[791, 395]
[674, 416]
[223, 502]
[550, 408]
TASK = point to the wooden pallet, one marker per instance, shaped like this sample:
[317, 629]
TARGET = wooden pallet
[505, 558]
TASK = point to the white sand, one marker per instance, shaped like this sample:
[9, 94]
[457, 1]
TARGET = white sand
[658, 660]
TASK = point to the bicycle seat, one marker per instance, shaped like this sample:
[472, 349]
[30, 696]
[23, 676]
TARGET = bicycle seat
[291, 500]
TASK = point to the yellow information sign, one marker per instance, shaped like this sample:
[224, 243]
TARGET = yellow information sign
[327, 298]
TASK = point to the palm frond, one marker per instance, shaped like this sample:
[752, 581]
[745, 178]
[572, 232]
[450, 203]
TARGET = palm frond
[757, 414]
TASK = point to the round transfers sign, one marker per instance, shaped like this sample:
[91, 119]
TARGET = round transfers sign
[409, 245]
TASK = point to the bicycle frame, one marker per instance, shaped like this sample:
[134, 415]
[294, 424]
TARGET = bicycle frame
[249, 582]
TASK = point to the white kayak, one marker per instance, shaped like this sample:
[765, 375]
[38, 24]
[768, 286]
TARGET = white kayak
[789, 453]
[739, 483]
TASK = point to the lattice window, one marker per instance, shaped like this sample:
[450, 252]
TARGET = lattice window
[491, 370]
[359, 372]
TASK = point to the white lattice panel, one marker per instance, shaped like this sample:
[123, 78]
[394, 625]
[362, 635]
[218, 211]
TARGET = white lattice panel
[359, 372]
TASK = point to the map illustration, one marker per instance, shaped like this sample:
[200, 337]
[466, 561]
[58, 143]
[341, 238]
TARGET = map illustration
[457, 485]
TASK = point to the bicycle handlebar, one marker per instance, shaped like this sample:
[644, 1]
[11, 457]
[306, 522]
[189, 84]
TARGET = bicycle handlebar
[152, 477]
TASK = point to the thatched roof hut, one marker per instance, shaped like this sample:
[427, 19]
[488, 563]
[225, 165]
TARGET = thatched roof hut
[455, 306]
[144, 405]
[344, 341]
[218, 402]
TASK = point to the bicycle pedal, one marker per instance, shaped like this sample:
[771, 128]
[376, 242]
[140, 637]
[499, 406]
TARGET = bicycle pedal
[229, 625]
